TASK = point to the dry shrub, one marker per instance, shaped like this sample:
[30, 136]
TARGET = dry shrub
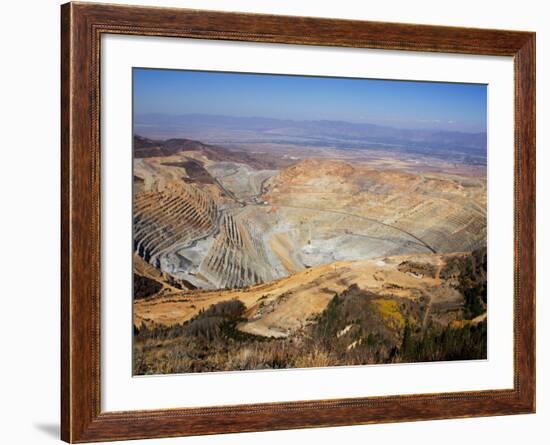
[314, 359]
[244, 358]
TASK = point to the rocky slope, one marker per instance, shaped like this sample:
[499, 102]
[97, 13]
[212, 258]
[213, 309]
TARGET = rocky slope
[224, 224]
[243, 261]
[439, 284]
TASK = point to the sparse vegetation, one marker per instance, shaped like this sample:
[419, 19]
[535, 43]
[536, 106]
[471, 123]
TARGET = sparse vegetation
[445, 343]
[144, 286]
[419, 269]
[470, 276]
[356, 327]
[390, 312]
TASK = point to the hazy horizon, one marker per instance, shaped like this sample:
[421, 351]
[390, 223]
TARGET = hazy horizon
[406, 105]
[139, 119]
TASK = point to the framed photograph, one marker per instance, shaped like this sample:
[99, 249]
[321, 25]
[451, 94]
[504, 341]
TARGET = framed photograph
[274, 222]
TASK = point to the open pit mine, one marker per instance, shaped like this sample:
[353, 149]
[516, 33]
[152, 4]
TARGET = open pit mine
[246, 260]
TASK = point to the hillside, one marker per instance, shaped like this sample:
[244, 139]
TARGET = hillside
[363, 311]
[194, 215]
[237, 248]
[281, 307]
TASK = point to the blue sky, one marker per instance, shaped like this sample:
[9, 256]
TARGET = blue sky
[404, 104]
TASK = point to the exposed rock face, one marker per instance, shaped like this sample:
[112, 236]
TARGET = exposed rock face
[411, 211]
[171, 219]
[339, 261]
[237, 257]
[225, 224]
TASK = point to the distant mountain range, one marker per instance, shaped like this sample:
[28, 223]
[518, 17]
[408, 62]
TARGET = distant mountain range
[214, 128]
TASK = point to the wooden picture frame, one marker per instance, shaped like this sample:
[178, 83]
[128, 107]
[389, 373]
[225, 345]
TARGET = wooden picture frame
[82, 26]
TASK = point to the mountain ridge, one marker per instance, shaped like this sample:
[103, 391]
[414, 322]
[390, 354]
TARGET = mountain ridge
[310, 129]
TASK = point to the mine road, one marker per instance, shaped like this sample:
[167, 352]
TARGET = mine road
[339, 212]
